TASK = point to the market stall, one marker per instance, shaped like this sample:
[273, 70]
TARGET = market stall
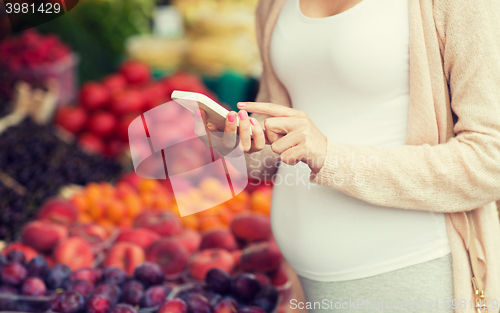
[80, 231]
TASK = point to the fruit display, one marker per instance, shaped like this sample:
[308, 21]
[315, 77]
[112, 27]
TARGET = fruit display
[118, 206]
[42, 163]
[35, 58]
[106, 108]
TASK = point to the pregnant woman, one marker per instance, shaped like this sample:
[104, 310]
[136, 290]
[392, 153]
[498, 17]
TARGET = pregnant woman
[385, 115]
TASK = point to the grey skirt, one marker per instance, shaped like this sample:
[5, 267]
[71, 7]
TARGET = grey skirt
[425, 287]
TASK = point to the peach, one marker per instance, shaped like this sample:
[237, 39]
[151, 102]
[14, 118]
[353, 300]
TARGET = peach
[58, 211]
[75, 252]
[218, 238]
[132, 179]
[237, 257]
[125, 256]
[29, 253]
[92, 233]
[169, 254]
[140, 236]
[163, 223]
[42, 235]
[123, 189]
[205, 260]
[240, 202]
[190, 239]
[251, 227]
[262, 256]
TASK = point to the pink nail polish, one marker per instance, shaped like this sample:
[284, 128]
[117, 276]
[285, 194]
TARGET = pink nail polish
[253, 121]
[241, 104]
[243, 115]
[198, 113]
[231, 117]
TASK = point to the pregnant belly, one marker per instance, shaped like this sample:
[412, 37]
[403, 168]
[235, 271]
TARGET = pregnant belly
[324, 231]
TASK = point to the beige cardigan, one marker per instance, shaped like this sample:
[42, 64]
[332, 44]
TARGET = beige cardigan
[444, 166]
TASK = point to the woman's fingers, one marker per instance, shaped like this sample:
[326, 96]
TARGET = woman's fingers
[292, 156]
[286, 142]
[230, 129]
[259, 140]
[244, 132]
[267, 108]
[282, 125]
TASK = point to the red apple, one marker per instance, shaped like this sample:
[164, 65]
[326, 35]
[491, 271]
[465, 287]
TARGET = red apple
[73, 119]
[114, 82]
[114, 147]
[123, 124]
[43, 235]
[102, 124]
[205, 260]
[127, 101]
[75, 252]
[58, 211]
[135, 72]
[29, 252]
[91, 143]
[140, 236]
[94, 96]
[126, 256]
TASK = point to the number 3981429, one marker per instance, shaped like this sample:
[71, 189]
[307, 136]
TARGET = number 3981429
[41, 8]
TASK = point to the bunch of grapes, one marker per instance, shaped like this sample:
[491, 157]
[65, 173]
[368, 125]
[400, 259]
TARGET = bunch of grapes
[40, 161]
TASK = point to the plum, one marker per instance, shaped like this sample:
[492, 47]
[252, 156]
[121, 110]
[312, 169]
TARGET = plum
[213, 298]
[226, 306]
[154, 295]
[89, 274]
[3, 260]
[266, 298]
[33, 286]
[114, 275]
[68, 302]
[83, 287]
[37, 267]
[111, 291]
[132, 292]
[98, 303]
[245, 286]
[13, 273]
[218, 280]
[123, 308]
[197, 303]
[16, 256]
[250, 309]
[7, 304]
[149, 274]
[57, 276]
[173, 306]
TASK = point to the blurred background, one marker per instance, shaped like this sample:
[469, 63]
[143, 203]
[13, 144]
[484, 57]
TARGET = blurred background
[79, 230]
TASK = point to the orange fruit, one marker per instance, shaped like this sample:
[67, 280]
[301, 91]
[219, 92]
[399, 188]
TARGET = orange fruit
[108, 225]
[240, 202]
[80, 202]
[107, 190]
[162, 202]
[148, 185]
[261, 202]
[97, 210]
[123, 190]
[116, 210]
[93, 192]
[126, 223]
[84, 218]
[147, 199]
[210, 222]
[190, 221]
[226, 216]
[133, 205]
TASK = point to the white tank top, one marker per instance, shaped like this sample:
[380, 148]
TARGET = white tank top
[350, 73]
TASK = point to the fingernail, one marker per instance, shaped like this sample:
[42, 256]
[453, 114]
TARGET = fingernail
[253, 121]
[198, 113]
[231, 117]
[241, 104]
[243, 115]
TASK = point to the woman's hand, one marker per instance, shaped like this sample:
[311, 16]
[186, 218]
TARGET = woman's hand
[302, 140]
[228, 140]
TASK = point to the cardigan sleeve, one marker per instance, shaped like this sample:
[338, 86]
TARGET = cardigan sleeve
[461, 174]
